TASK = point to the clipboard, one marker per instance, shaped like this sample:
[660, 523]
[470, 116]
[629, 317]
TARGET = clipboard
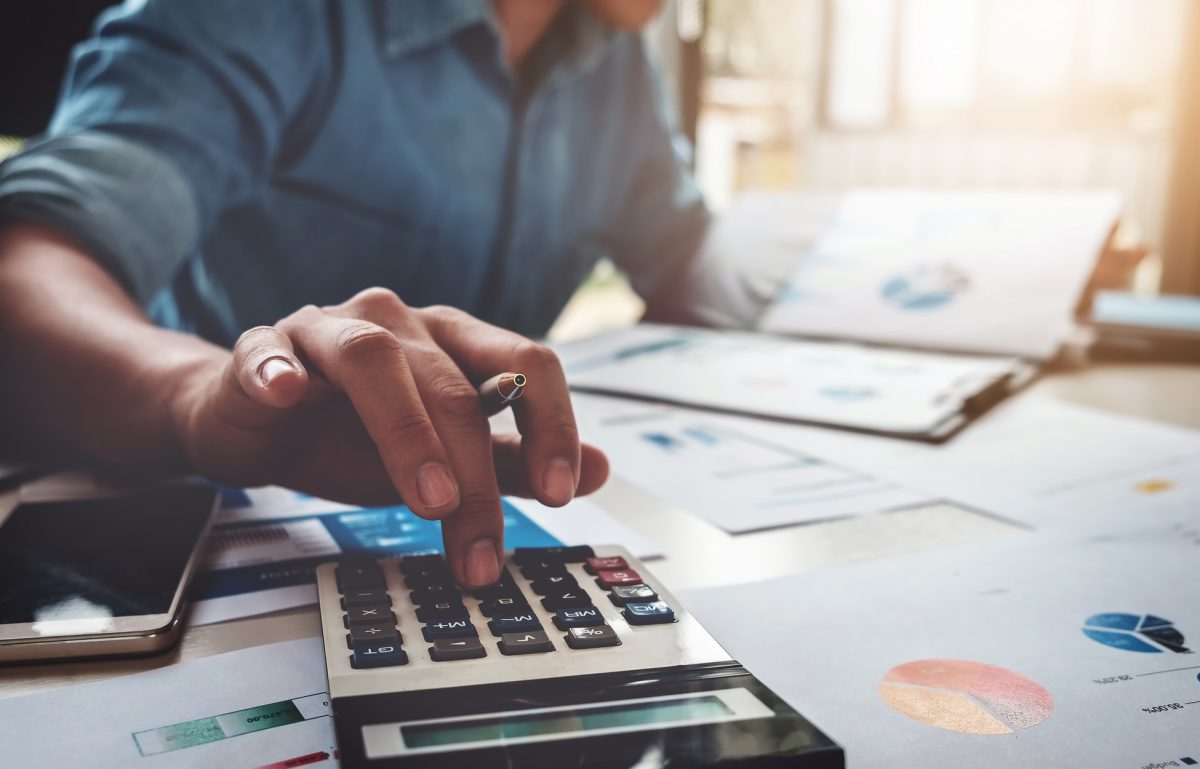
[910, 394]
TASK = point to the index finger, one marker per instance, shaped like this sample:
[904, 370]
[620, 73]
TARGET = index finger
[544, 415]
[368, 363]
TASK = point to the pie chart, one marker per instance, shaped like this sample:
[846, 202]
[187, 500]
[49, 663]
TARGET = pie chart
[965, 696]
[925, 287]
[1144, 633]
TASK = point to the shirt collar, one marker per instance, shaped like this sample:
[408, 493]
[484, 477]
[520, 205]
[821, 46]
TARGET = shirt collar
[413, 24]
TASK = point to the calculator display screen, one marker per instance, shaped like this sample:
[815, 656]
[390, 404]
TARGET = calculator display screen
[84, 561]
[518, 726]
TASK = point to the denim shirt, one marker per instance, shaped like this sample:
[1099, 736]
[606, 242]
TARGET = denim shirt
[232, 161]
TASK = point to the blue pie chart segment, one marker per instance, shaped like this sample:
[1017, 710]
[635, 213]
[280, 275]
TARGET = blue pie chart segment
[924, 287]
[1116, 621]
[1125, 641]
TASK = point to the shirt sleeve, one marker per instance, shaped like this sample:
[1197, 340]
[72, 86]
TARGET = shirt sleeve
[173, 111]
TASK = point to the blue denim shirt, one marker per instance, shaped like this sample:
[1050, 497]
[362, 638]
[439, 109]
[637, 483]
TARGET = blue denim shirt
[232, 161]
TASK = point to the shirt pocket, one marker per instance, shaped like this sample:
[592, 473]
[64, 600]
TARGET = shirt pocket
[296, 246]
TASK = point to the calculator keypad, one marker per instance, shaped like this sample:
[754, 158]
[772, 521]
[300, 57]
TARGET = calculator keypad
[373, 639]
[451, 626]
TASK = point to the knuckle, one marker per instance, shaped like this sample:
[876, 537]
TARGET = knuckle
[364, 342]
[442, 313]
[377, 300]
[561, 427]
[305, 316]
[535, 356]
[257, 337]
[456, 398]
[478, 502]
[406, 429]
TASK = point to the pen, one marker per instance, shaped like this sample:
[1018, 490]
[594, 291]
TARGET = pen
[501, 390]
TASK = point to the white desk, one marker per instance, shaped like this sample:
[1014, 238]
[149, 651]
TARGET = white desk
[692, 546]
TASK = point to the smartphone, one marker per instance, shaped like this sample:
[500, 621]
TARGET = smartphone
[100, 576]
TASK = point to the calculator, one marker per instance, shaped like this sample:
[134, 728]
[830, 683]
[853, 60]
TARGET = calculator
[578, 657]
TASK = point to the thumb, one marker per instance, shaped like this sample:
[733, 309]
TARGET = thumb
[263, 380]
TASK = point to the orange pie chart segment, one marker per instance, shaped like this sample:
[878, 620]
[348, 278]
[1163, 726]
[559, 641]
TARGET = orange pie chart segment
[965, 696]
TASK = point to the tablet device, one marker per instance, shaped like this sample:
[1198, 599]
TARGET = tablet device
[99, 576]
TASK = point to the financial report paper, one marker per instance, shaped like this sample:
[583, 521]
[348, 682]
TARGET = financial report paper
[1041, 651]
[265, 707]
[980, 271]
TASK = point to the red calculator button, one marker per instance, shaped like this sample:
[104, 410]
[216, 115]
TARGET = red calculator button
[607, 579]
[611, 563]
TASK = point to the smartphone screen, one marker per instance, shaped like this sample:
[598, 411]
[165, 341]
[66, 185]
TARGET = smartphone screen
[91, 559]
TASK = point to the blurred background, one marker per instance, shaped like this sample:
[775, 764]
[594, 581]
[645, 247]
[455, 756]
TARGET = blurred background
[827, 95]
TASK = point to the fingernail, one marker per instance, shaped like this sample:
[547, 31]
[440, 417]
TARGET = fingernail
[558, 481]
[435, 485]
[482, 565]
[272, 368]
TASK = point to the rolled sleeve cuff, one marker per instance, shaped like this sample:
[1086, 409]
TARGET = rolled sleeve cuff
[126, 205]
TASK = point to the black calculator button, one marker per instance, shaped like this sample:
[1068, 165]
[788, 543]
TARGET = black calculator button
[372, 634]
[359, 576]
[422, 562]
[539, 570]
[449, 649]
[527, 642]
[572, 598]
[505, 586]
[364, 598]
[434, 594]
[650, 613]
[592, 637]
[449, 628]
[547, 585]
[504, 607]
[489, 595]
[576, 554]
[419, 580]
[369, 615]
[377, 656]
[583, 617]
[442, 611]
[623, 594]
[511, 624]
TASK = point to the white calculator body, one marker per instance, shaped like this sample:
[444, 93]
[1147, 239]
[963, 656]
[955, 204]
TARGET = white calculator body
[578, 657]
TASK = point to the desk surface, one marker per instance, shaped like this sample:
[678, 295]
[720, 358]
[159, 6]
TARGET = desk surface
[691, 545]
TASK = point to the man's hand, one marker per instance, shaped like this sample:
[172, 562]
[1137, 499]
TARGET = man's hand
[368, 398]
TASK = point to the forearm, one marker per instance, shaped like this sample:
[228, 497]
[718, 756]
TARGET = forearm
[85, 372]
